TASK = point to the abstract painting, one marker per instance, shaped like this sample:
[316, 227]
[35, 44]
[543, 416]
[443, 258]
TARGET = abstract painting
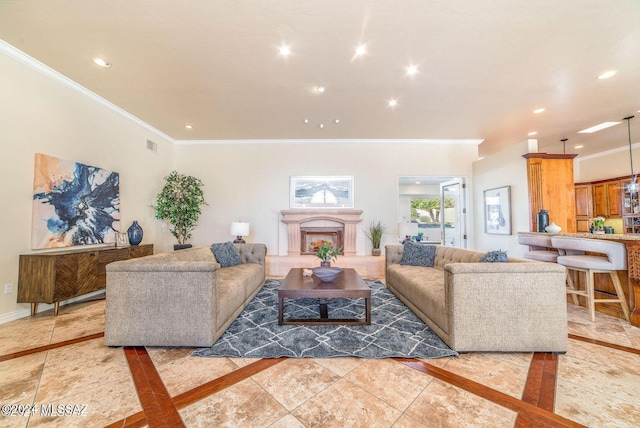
[73, 204]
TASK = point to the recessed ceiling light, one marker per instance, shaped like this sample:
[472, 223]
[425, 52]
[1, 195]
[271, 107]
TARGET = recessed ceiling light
[579, 146]
[336, 121]
[412, 70]
[321, 125]
[392, 103]
[320, 89]
[538, 110]
[101, 62]
[607, 74]
[597, 128]
[361, 50]
[306, 120]
[284, 50]
[188, 126]
[532, 133]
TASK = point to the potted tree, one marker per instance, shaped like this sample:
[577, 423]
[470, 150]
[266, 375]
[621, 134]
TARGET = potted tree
[180, 203]
[374, 233]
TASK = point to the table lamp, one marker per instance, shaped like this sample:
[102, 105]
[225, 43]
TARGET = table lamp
[239, 229]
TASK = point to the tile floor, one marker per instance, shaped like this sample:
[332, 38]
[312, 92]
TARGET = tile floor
[60, 362]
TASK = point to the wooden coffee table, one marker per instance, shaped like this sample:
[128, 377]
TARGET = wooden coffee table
[347, 284]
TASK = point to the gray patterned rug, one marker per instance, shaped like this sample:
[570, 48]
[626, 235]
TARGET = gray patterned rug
[394, 331]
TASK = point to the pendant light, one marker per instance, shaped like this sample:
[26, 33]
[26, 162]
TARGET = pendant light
[633, 186]
[564, 145]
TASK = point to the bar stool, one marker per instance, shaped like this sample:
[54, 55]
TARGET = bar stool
[613, 258]
[539, 248]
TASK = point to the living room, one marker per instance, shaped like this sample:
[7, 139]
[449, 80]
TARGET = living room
[45, 112]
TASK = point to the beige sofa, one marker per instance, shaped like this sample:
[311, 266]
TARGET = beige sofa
[183, 298]
[517, 306]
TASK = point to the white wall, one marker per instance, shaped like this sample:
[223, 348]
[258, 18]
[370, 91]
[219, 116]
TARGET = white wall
[250, 182]
[42, 113]
[507, 168]
[609, 164]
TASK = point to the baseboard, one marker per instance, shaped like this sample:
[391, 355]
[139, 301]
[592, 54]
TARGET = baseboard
[43, 307]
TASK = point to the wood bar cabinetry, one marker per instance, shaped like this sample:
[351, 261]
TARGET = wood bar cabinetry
[550, 179]
[60, 275]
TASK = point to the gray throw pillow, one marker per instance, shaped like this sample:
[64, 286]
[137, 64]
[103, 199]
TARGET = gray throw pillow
[494, 256]
[226, 254]
[418, 255]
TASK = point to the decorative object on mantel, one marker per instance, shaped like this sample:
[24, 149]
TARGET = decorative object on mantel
[553, 228]
[239, 229]
[598, 224]
[633, 186]
[135, 233]
[73, 204]
[374, 233]
[180, 203]
[326, 253]
[327, 274]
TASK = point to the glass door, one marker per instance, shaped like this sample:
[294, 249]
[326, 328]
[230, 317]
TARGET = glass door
[453, 225]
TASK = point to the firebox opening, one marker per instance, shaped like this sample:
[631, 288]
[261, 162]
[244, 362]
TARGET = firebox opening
[312, 238]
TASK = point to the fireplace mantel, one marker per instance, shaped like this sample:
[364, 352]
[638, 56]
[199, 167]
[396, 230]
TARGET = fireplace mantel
[349, 218]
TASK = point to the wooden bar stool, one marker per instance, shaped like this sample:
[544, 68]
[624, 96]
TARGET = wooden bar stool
[540, 248]
[612, 258]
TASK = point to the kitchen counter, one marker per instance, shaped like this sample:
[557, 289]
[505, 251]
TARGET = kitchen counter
[620, 237]
[632, 286]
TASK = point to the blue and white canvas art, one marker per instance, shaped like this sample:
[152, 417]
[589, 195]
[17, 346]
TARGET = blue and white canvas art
[73, 204]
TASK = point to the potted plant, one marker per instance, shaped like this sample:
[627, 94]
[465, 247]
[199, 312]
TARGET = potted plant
[180, 203]
[598, 224]
[375, 232]
[326, 253]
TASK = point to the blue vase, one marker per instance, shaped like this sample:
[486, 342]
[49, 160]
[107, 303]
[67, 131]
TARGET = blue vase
[135, 233]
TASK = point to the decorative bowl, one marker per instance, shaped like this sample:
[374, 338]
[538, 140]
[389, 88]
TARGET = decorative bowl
[327, 274]
[553, 228]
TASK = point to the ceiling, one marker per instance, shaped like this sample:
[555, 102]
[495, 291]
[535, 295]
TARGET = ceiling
[483, 66]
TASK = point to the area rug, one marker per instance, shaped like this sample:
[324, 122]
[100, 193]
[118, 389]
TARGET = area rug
[394, 331]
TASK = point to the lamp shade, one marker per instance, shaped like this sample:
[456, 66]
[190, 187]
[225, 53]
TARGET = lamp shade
[407, 229]
[240, 229]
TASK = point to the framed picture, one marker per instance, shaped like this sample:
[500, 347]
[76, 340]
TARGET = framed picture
[321, 192]
[122, 239]
[497, 210]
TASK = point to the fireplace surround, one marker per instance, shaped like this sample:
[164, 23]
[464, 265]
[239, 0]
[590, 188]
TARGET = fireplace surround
[306, 227]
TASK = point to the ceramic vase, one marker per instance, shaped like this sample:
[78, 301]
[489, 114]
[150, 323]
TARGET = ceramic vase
[135, 233]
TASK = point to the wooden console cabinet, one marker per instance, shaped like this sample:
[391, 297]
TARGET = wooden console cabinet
[60, 275]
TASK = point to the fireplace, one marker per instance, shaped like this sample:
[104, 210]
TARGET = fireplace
[306, 229]
[311, 238]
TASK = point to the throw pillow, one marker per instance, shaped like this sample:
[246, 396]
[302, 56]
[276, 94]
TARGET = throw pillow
[494, 256]
[226, 254]
[418, 255]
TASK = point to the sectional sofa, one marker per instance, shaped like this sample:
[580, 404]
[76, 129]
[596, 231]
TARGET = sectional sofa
[516, 306]
[183, 298]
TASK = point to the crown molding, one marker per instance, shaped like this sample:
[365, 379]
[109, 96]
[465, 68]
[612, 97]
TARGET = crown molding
[52, 74]
[608, 152]
[331, 141]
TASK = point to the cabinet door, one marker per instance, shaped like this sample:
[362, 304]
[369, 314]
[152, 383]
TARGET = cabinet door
[87, 272]
[583, 200]
[614, 198]
[66, 276]
[600, 200]
[104, 258]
